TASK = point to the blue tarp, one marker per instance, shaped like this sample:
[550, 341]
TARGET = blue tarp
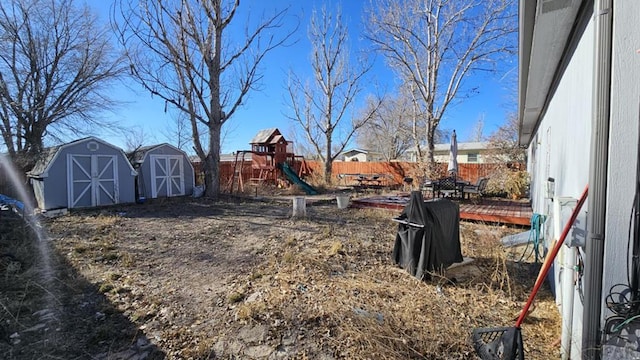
[7, 201]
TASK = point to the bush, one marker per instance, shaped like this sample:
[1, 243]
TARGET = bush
[507, 182]
[517, 183]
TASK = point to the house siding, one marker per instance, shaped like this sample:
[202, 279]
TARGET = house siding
[463, 157]
[357, 157]
[623, 144]
[560, 150]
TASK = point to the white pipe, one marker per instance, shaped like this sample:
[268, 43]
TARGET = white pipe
[567, 278]
[568, 289]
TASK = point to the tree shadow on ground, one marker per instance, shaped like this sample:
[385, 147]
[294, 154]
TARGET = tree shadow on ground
[49, 310]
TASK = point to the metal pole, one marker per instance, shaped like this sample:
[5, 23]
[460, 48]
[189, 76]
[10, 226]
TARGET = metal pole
[591, 331]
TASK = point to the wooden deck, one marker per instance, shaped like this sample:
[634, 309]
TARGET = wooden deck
[493, 210]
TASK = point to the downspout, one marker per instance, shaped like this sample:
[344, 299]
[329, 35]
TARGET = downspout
[597, 181]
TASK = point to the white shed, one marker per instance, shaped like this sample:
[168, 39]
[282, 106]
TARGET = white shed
[83, 173]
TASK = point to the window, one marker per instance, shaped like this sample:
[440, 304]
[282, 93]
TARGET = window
[472, 157]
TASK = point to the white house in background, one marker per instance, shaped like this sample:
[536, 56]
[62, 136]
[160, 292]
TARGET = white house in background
[468, 152]
[361, 155]
[235, 156]
[579, 95]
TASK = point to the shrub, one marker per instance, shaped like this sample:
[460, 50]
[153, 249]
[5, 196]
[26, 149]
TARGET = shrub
[507, 182]
[516, 183]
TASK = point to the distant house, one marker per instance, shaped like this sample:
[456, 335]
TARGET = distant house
[234, 156]
[468, 153]
[83, 173]
[361, 155]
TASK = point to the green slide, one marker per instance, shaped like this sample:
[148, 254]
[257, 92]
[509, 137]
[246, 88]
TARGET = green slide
[294, 178]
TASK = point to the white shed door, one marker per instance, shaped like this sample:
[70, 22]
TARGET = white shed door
[92, 180]
[167, 177]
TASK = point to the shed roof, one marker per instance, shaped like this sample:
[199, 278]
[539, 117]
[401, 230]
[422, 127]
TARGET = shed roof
[48, 156]
[137, 156]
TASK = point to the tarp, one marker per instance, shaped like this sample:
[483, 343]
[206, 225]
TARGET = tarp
[428, 238]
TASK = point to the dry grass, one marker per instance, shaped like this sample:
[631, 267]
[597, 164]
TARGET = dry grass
[47, 309]
[190, 275]
[368, 308]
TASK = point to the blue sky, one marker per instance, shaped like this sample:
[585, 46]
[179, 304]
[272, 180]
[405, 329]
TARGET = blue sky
[267, 108]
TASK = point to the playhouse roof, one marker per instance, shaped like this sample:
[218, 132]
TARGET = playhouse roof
[276, 139]
[265, 136]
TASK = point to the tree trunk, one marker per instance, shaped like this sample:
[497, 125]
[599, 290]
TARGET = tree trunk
[212, 163]
[431, 162]
[327, 171]
[328, 160]
[26, 159]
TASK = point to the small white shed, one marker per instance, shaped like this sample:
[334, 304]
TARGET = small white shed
[83, 173]
[163, 171]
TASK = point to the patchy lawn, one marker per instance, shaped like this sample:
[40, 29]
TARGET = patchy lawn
[195, 279]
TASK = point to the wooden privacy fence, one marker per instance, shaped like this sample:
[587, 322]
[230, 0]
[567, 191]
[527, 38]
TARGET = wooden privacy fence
[397, 171]
[393, 172]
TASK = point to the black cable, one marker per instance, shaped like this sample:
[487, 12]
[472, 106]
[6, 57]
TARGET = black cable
[624, 299]
[580, 273]
[634, 281]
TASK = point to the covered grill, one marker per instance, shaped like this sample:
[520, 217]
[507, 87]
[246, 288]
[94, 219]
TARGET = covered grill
[428, 238]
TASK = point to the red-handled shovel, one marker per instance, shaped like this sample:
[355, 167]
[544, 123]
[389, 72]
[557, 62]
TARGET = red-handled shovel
[505, 343]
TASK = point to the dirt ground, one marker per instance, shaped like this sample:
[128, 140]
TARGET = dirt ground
[241, 279]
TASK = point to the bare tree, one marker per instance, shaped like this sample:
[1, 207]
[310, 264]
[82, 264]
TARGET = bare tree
[389, 131]
[437, 44]
[185, 52]
[508, 157]
[178, 132]
[134, 139]
[504, 143]
[322, 105]
[56, 65]
[477, 133]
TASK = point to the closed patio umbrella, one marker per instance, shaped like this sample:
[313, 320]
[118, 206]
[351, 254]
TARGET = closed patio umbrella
[453, 155]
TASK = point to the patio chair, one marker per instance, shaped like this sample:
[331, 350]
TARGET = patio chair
[447, 187]
[477, 189]
[429, 186]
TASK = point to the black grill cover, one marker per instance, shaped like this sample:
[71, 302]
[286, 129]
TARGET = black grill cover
[430, 248]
